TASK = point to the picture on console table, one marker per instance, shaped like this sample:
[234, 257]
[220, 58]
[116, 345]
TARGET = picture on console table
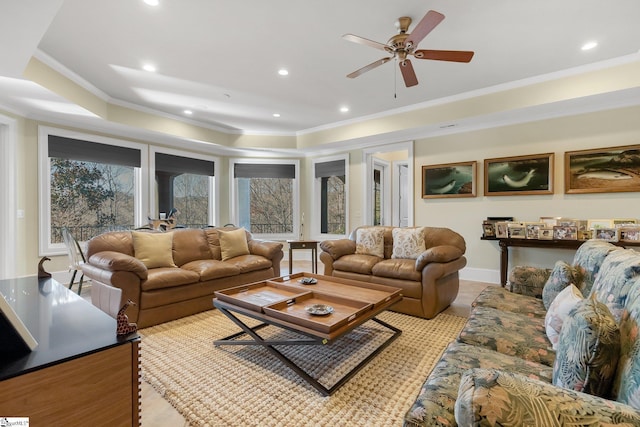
[604, 170]
[515, 176]
[449, 180]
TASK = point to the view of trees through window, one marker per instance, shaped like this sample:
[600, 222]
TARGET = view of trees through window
[266, 205]
[335, 221]
[191, 199]
[90, 198]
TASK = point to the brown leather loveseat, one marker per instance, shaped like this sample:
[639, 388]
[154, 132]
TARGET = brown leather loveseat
[175, 274]
[424, 263]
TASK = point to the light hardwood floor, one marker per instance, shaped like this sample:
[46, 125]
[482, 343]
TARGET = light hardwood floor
[157, 412]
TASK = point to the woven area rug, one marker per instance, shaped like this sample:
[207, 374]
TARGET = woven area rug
[247, 385]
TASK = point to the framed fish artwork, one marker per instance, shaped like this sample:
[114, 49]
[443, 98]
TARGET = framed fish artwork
[603, 170]
[449, 180]
[519, 176]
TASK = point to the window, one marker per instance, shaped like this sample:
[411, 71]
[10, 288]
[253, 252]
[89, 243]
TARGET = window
[265, 196]
[91, 185]
[186, 184]
[330, 195]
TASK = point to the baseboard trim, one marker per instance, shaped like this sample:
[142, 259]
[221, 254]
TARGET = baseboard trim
[480, 275]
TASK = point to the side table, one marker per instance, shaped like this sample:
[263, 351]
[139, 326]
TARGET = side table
[304, 244]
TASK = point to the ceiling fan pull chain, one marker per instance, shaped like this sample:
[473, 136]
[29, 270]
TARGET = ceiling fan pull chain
[395, 81]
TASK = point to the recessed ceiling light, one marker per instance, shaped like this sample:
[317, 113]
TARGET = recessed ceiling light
[188, 112]
[344, 109]
[276, 114]
[589, 45]
[283, 72]
[152, 2]
[149, 67]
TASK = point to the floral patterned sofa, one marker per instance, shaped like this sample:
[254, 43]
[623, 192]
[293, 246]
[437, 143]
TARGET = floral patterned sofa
[503, 369]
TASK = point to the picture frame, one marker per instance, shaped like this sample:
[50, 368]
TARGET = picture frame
[602, 170]
[585, 234]
[550, 221]
[517, 231]
[607, 234]
[593, 224]
[565, 232]
[502, 231]
[488, 229]
[545, 233]
[629, 234]
[533, 229]
[449, 180]
[519, 176]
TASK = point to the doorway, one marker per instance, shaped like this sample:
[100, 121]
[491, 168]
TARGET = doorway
[389, 185]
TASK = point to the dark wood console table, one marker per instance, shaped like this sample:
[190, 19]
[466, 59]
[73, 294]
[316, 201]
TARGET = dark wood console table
[304, 244]
[536, 243]
[80, 373]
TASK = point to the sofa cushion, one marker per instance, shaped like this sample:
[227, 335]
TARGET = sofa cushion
[160, 278]
[233, 243]
[504, 300]
[626, 387]
[404, 269]
[561, 276]
[408, 242]
[356, 263]
[434, 405]
[190, 244]
[589, 258]
[499, 397]
[153, 249]
[527, 280]
[247, 263]
[513, 334]
[617, 274]
[209, 269]
[588, 349]
[558, 312]
[370, 241]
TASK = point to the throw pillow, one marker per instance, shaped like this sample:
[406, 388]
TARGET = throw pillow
[559, 310]
[408, 242]
[588, 349]
[561, 276]
[153, 249]
[233, 243]
[370, 241]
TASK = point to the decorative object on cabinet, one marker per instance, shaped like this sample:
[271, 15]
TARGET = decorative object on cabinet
[629, 234]
[449, 180]
[565, 232]
[603, 170]
[522, 175]
[608, 234]
[42, 273]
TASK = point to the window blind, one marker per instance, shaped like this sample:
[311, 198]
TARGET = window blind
[262, 170]
[179, 165]
[329, 169]
[86, 151]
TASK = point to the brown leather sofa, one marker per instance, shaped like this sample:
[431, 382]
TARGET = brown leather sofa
[168, 293]
[429, 283]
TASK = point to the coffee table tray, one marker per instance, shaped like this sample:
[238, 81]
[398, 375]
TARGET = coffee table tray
[294, 311]
[373, 293]
[257, 295]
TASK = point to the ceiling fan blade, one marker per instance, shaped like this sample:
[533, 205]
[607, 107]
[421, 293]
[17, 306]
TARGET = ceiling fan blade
[424, 27]
[408, 74]
[368, 67]
[366, 42]
[444, 55]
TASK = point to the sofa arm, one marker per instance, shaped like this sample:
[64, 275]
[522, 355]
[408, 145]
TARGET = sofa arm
[264, 248]
[528, 280]
[490, 397]
[117, 261]
[338, 248]
[442, 253]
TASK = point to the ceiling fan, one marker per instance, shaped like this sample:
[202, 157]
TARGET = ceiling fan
[404, 44]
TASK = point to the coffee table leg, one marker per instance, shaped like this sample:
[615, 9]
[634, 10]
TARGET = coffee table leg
[269, 345]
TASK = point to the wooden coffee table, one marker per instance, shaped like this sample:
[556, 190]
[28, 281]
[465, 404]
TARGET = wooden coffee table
[283, 302]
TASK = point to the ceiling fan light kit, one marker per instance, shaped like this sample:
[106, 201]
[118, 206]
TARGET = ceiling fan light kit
[404, 44]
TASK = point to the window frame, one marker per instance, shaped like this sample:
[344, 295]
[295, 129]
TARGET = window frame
[317, 196]
[214, 184]
[141, 199]
[233, 195]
